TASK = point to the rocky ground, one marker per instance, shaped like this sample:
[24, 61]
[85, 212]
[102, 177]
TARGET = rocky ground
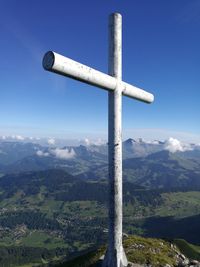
[141, 252]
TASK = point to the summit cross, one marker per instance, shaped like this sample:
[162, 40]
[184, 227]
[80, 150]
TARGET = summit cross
[112, 82]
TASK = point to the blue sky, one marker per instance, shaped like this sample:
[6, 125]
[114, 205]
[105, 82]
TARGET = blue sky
[160, 54]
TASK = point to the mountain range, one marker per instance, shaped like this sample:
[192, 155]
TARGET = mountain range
[153, 165]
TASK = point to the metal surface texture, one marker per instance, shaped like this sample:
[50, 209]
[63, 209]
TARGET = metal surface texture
[112, 82]
[115, 256]
[59, 64]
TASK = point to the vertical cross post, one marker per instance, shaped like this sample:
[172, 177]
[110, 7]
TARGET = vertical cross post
[115, 256]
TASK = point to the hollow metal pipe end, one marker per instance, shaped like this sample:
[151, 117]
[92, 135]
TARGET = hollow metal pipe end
[48, 60]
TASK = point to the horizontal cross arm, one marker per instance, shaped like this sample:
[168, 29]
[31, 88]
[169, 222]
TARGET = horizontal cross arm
[65, 66]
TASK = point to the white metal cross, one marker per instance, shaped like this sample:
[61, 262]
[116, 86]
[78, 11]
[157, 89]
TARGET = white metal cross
[115, 255]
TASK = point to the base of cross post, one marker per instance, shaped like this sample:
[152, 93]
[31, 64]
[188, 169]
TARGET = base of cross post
[116, 259]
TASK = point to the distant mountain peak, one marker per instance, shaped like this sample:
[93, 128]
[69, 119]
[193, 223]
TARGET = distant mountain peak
[130, 141]
[157, 142]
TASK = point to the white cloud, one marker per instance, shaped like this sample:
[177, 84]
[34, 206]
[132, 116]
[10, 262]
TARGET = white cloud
[89, 142]
[86, 142]
[161, 134]
[154, 142]
[174, 145]
[64, 153]
[40, 153]
[51, 141]
[17, 137]
[99, 142]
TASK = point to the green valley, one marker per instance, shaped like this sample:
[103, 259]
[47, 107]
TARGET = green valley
[55, 212]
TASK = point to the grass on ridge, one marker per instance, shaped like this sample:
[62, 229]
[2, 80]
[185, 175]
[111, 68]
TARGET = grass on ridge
[189, 250]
